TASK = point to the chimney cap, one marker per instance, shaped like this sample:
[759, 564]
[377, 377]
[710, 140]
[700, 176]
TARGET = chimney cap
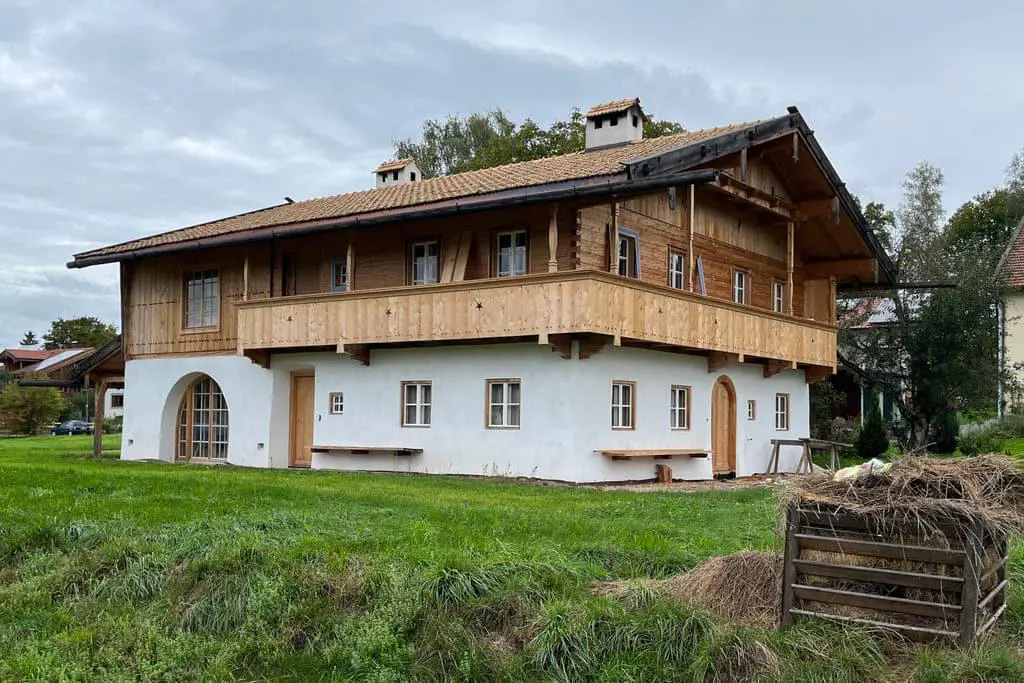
[394, 165]
[614, 107]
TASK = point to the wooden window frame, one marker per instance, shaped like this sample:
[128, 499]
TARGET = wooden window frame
[618, 407]
[410, 258]
[419, 404]
[776, 283]
[496, 258]
[332, 407]
[117, 400]
[506, 381]
[751, 410]
[187, 410]
[746, 285]
[676, 251]
[687, 392]
[335, 263]
[625, 234]
[782, 426]
[185, 275]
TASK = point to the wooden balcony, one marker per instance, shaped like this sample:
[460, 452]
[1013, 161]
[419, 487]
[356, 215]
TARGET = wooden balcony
[625, 311]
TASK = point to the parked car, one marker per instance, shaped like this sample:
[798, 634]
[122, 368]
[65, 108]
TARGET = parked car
[72, 427]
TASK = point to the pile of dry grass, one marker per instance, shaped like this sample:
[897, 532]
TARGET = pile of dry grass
[925, 494]
[743, 589]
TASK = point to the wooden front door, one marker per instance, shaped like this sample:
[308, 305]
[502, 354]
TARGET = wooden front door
[723, 427]
[301, 421]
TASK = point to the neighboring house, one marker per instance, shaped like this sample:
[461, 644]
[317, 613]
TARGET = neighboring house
[865, 315]
[1011, 317]
[14, 360]
[57, 366]
[568, 318]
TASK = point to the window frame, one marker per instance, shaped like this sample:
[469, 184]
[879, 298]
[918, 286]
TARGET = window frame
[783, 424]
[332, 403]
[505, 382]
[496, 260]
[624, 237]
[737, 273]
[751, 410]
[419, 403]
[778, 286]
[681, 272]
[187, 273]
[117, 401]
[411, 260]
[184, 448]
[631, 385]
[674, 408]
[339, 263]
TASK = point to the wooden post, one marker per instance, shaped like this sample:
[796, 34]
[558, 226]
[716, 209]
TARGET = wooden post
[350, 265]
[791, 553]
[971, 592]
[97, 425]
[553, 240]
[613, 240]
[690, 197]
[789, 268]
[743, 164]
[245, 277]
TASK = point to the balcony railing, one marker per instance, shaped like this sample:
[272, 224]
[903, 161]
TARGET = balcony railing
[543, 304]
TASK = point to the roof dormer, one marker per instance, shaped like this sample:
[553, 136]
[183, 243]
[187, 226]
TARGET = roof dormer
[397, 172]
[615, 123]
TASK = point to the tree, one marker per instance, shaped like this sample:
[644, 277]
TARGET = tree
[78, 333]
[882, 222]
[30, 339]
[872, 440]
[29, 409]
[488, 139]
[982, 227]
[919, 224]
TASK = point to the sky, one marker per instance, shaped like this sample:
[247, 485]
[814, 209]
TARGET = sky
[120, 118]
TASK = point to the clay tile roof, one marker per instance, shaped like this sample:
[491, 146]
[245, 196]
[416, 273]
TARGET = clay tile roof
[573, 166]
[24, 355]
[613, 107]
[394, 165]
[1011, 265]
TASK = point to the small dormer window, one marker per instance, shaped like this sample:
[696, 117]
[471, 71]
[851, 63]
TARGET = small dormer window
[598, 122]
[395, 175]
[383, 177]
[412, 176]
[613, 120]
[636, 120]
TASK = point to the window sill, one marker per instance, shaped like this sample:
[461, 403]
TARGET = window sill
[200, 330]
[504, 427]
[415, 426]
[679, 429]
[623, 429]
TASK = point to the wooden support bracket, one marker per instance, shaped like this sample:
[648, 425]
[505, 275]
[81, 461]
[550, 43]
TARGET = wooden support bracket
[260, 357]
[817, 373]
[357, 352]
[562, 343]
[774, 367]
[591, 344]
[719, 359]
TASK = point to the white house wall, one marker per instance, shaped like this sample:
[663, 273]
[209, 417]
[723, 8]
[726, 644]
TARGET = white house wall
[565, 410]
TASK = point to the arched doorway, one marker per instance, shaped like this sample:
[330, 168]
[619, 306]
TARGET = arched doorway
[202, 423]
[723, 427]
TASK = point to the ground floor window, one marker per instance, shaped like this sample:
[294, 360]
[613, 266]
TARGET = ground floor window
[503, 403]
[782, 412]
[203, 423]
[623, 405]
[751, 410]
[680, 407]
[416, 404]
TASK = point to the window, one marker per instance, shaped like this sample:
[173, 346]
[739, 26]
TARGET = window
[503, 403]
[782, 412]
[412, 176]
[598, 122]
[623, 404]
[394, 176]
[117, 400]
[613, 120]
[339, 275]
[383, 177]
[511, 253]
[740, 286]
[778, 296]
[203, 423]
[416, 404]
[628, 255]
[424, 262]
[751, 410]
[336, 403]
[202, 299]
[676, 269]
[636, 120]
[680, 407]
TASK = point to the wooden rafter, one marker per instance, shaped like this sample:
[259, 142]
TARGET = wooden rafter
[864, 268]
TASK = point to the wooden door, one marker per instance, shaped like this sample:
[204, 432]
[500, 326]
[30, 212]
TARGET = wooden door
[301, 421]
[723, 427]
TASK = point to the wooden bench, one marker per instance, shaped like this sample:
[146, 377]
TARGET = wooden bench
[661, 454]
[806, 465]
[366, 450]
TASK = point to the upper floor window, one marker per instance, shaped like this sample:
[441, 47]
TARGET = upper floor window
[676, 269]
[512, 253]
[424, 258]
[778, 296]
[202, 299]
[740, 286]
[782, 412]
[339, 275]
[628, 255]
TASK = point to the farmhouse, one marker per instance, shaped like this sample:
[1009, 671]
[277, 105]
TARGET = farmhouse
[1010, 272]
[582, 317]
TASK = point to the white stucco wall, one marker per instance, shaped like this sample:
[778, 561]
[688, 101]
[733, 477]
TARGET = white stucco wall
[565, 410]
[1013, 339]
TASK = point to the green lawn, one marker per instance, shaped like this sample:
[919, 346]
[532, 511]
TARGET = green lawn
[133, 571]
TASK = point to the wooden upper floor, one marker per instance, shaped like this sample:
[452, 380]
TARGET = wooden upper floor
[735, 250]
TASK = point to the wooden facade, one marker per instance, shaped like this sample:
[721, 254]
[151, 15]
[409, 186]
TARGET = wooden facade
[277, 294]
